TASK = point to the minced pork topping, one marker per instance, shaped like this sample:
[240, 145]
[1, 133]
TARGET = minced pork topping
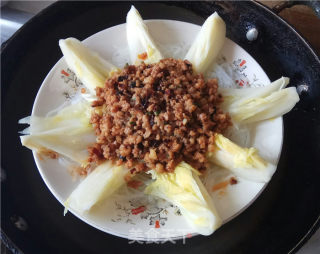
[155, 116]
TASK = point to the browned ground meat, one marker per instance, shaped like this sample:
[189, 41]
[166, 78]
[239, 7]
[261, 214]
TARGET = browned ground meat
[154, 116]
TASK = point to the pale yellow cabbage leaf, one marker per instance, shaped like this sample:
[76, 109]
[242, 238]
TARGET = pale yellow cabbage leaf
[139, 39]
[184, 189]
[88, 66]
[243, 162]
[249, 105]
[68, 133]
[100, 184]
[208, 43]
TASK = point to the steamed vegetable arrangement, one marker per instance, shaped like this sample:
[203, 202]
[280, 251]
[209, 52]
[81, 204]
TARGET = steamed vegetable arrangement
[69, 132]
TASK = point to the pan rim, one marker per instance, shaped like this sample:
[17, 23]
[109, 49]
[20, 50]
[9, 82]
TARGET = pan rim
[316, 224]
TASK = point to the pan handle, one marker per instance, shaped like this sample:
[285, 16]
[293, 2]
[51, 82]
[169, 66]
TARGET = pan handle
[314, 5]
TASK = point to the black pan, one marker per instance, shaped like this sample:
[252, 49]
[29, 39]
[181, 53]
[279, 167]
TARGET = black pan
[283, 217]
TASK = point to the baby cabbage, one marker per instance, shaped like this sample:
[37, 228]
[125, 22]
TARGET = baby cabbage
[139, 40]
[69, 132]
[231, 95]
[208, 43]
[100, 184]
[184, 189]
[89, 67]
[250, 105]
[243, 162]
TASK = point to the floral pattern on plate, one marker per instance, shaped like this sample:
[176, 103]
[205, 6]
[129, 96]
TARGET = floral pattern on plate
[145, 209]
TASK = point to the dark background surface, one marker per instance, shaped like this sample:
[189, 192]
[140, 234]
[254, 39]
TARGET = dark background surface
[275, 223]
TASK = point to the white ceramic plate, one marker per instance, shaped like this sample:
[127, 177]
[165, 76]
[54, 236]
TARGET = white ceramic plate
[138, 216]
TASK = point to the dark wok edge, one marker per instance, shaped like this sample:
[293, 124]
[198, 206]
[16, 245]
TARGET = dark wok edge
[316, 224]
[9, 244]
[6, 43]
[14, 249]
[314, 5]
[275, 12]
[4, 238]
[307, 236]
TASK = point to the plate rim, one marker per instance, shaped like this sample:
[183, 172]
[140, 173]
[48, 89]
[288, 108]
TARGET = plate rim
[108, 230]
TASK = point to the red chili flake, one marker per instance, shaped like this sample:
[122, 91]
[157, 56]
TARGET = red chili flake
[233, 181]
[132, 171]
[138, 210]
[168, 92]
[242, 63]
[157, 225]
[134, 184]
[220, 185]
[241, 83]
[143, 56]
[237, 81]
[65, 73]
[189, 235]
